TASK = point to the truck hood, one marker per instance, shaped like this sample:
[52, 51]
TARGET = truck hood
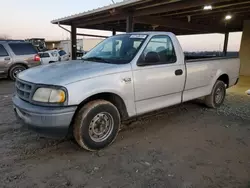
[63, 73]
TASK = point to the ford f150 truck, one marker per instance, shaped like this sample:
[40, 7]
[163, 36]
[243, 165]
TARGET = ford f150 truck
[124, 76]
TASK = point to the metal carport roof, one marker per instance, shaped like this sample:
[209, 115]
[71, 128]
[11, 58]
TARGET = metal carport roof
[178, 16]
[181, 17]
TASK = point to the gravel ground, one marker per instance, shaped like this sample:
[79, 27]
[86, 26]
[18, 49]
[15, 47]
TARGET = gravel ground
[187, 146]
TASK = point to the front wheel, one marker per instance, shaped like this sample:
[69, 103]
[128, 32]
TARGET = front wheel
[96, 125]
[217, 97]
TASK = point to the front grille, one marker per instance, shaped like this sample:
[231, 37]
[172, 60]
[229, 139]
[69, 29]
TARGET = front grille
[24, 89]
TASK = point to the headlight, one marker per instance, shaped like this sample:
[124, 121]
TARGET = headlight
[49, 95]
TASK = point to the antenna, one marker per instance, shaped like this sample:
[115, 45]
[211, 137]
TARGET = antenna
[113, 1]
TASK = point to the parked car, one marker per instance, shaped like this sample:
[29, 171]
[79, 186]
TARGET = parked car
[16, 56]
[79, 54]
[62, 54]
[124, 76]
[49, 57]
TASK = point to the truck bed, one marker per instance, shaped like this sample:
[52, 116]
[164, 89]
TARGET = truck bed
[202, 74]
[207, 58]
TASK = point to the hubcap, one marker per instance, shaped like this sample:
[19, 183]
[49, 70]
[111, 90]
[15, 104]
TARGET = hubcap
[17, 71]
[101, 127]
[219, 94]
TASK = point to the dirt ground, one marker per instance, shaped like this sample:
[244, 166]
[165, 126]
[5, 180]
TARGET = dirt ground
[187, 146]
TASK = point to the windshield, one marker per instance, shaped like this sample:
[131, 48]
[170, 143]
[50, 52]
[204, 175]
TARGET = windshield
[119, 49]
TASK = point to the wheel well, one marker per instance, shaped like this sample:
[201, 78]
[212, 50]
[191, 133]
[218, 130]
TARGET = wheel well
[111, 97]
[15, 64]
[225, 79]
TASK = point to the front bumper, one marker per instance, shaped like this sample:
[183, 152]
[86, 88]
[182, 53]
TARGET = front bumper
[47, 121]
[34, 63]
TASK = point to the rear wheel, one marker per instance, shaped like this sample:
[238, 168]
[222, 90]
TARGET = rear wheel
[15, 70]
[96, 125]
[217, 97]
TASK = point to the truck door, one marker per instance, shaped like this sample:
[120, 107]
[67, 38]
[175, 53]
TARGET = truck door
[4, 59]
[159, 76]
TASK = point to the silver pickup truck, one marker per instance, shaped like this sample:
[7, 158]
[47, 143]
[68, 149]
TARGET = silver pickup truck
[124, 76]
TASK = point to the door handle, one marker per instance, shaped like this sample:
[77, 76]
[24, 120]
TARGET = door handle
[178, 72]
[7, 58]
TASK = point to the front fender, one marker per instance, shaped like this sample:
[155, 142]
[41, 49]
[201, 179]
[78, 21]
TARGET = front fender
[80, 91]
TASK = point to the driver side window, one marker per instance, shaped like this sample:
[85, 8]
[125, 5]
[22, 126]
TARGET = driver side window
[160, 50]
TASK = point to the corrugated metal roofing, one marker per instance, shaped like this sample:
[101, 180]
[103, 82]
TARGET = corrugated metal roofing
[100, 9]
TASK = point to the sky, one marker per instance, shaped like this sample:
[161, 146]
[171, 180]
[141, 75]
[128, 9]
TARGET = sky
[21, 19]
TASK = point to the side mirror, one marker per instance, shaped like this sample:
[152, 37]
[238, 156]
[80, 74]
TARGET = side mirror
[150, 59]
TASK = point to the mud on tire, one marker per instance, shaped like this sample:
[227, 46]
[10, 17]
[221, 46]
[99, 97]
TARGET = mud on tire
[96, 125]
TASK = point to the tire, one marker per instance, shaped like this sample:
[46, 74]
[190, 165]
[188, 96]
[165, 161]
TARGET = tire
[15, 70]
[217, 97]
[92, 119]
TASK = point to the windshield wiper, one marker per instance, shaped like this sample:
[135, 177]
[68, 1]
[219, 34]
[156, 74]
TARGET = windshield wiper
[99, 59]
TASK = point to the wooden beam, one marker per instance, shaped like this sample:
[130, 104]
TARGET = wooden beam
[170, 23]
[114, 31]
[155, 4]
[176, 31]
[225, 43]
[106, 28]
[83, 23]
[201, 11]
[73, 42]
[175, 7]
[129, 24]
[221, 15]
[89, 35]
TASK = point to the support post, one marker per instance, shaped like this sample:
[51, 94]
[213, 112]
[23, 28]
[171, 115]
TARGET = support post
[225, 44]
[244, 50]
[130, 24]
[113, 32]
[73, 42]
